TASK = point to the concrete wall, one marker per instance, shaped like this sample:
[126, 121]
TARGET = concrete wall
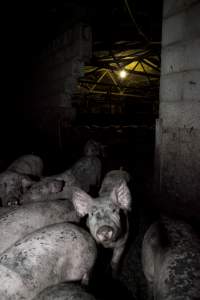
[178, 127]
[49, 105]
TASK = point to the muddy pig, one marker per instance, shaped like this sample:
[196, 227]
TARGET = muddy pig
[56, 253]
[171, 260]
[85, 173]
[18, 177]
[51, 188]
[107, 215]
[22, 220]
[64, 291]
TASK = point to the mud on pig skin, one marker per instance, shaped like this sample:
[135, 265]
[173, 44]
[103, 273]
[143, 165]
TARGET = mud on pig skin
[104, 217]
[64, 291]
[22, 220]
[171, 260]
[54, 254]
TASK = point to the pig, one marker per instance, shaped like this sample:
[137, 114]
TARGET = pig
[87, 170]
[107, 215]
[29, 164]
[56, 253]
[51, 188]
[22, 220]
[171, 260]
[18, 177]
[93, 148]
[85, 173]
[12, 186]
[64, 291]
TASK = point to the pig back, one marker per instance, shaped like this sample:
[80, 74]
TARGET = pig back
[20, 221]
[28, 164]
[56, 253]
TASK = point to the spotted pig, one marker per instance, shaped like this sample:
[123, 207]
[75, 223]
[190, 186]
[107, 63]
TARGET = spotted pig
[22, 220]
[57, 253]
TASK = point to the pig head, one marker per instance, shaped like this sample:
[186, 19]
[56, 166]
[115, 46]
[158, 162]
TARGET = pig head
[12, 186]
[18, 178]
[87, 170]
[94, 148]
[104, 218]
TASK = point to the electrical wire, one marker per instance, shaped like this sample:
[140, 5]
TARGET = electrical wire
[134, 22]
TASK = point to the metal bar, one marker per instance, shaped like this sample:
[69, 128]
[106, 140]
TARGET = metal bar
[126, 95]
[145, 72]
[125, 88]
[110, 85]
[115, 82]
[148, 63]
[99, 80]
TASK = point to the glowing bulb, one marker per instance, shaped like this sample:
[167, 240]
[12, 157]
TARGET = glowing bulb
[122, 73]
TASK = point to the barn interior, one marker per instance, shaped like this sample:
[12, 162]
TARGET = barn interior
[79, 70]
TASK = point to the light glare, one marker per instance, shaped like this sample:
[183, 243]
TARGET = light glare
[122, 73]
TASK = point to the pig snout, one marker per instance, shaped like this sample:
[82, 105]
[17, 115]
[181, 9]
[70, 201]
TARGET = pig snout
[12, 201]
[105, 233]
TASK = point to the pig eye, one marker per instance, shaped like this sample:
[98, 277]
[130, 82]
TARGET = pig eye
[93, 211]
[115, 210]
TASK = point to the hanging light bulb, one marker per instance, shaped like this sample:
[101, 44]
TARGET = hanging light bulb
[122, 74]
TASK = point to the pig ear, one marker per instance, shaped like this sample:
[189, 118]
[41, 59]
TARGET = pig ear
[81, 201]
[122, 196]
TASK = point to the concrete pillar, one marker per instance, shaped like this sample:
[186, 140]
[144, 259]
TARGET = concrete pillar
[179, 117]
[49, 106]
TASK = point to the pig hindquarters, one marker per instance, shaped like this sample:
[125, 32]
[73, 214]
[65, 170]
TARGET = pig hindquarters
[105, 215]
[64, 291]
[171, 260]
[54, 254]
[25, 219]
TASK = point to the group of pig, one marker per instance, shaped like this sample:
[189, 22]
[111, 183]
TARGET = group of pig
[45, 253]
[43, 247]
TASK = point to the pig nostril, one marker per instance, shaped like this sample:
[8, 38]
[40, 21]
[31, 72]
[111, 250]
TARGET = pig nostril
[12, 202]
[105, 233]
